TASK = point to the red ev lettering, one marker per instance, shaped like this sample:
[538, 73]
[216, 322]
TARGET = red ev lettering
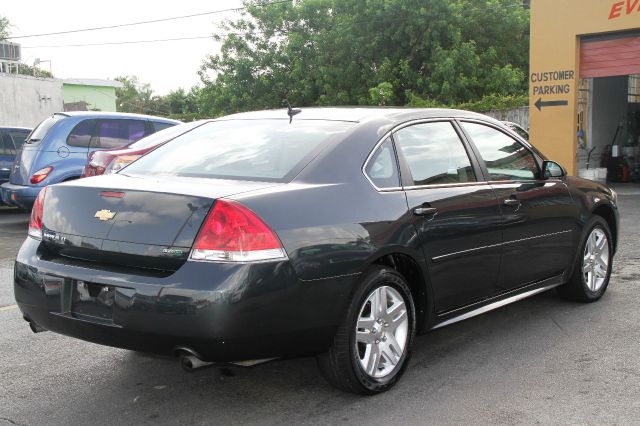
[627, 6]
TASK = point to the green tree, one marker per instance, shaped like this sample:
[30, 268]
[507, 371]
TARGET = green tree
[382, 52]
[4, 28]
[26, 69]
[134, 96]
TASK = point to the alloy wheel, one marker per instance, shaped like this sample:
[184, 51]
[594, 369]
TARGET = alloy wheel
[382, 331]
[595, 265]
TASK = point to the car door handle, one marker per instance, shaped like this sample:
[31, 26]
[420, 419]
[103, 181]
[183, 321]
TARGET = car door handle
[424, 211]
[512, 202]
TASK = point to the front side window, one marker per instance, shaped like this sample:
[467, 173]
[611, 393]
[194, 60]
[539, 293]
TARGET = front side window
[505, 157]
[81, 134]
[117, 133]
[264, 150]
[434, 154]
[382, 168]
[159, 125]
[520, 131]
[164, 135]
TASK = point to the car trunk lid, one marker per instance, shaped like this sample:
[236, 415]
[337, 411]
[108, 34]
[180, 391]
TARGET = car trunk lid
[148, 223]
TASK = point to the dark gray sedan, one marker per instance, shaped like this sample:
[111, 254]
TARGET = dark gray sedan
[332, 232]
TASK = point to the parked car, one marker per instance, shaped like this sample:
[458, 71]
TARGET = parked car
[11, 140]
[518, 129]
[57, 150]
[112, 160]
[342, 233]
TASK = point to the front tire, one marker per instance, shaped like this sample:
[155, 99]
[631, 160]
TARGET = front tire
[592, 271]
[373, 343]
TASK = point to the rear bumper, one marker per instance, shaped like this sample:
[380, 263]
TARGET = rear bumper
[22, 196]
[222, 312]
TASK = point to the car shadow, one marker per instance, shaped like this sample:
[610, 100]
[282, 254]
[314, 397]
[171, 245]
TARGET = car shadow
[293, 390]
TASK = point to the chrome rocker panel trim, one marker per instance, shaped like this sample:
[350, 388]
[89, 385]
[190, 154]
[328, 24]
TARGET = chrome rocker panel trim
[540, 287]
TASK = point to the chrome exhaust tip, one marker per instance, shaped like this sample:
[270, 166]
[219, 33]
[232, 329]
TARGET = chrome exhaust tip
[190, 362]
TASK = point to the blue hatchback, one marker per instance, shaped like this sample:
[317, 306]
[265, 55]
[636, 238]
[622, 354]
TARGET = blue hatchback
[58, 148]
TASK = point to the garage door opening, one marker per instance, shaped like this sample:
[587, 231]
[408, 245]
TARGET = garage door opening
[609, 108]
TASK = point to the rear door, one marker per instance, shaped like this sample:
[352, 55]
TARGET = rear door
[456, 215]
[538, 215]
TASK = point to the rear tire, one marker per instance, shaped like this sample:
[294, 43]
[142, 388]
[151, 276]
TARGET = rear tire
[592, 270]
[373, 343]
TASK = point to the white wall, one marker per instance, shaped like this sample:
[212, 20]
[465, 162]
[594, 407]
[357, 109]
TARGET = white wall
[515, 115]
[26, 100]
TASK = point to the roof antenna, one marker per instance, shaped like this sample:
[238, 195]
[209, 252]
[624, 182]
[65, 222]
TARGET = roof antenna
[292, 111]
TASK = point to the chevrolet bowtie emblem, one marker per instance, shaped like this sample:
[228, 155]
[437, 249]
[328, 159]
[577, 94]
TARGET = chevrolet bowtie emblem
[104, 215]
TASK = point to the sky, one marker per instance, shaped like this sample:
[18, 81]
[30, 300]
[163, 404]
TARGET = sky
[165, 66]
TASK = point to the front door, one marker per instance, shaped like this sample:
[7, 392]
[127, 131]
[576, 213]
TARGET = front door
[456, 215]
[539, 219]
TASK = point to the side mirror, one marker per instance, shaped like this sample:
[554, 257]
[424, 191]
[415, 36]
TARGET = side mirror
[551, 169]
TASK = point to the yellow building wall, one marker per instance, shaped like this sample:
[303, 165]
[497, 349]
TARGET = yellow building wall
[556, 28]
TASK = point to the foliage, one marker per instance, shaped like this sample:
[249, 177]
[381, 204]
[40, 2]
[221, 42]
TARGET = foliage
[138, 97]
[26, 69]
[134, 96]
[495, 102]
[487, 103]
[379, 52]
[4, 28]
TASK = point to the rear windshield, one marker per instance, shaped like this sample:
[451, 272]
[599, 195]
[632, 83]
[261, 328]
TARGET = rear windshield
[43, 128]
[265, 150]
[164, 135]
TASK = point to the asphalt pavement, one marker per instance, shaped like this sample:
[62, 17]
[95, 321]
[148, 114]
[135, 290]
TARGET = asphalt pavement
[539, 361]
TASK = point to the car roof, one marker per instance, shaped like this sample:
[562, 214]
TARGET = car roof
[356, 114]
[102, 114]
[15, 128]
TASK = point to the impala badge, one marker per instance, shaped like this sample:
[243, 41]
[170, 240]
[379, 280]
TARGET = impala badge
[104, 215]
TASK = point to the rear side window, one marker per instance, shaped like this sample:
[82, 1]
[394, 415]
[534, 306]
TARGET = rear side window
[6, 144]
[505, 157]
[117, 133]
[81, 134]
[157, 125]
[382, 168]
[18, 137]
[434, 154]
[266, 150]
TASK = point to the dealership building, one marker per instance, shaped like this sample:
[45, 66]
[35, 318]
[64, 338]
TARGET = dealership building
[584, 85]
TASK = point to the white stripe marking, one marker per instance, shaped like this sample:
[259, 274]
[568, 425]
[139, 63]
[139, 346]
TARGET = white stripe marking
[8, 308]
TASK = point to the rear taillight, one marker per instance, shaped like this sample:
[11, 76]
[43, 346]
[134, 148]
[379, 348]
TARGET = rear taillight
[233, 233]
[40, 175]
[120, 162]
[98, 161]
[35, 222]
